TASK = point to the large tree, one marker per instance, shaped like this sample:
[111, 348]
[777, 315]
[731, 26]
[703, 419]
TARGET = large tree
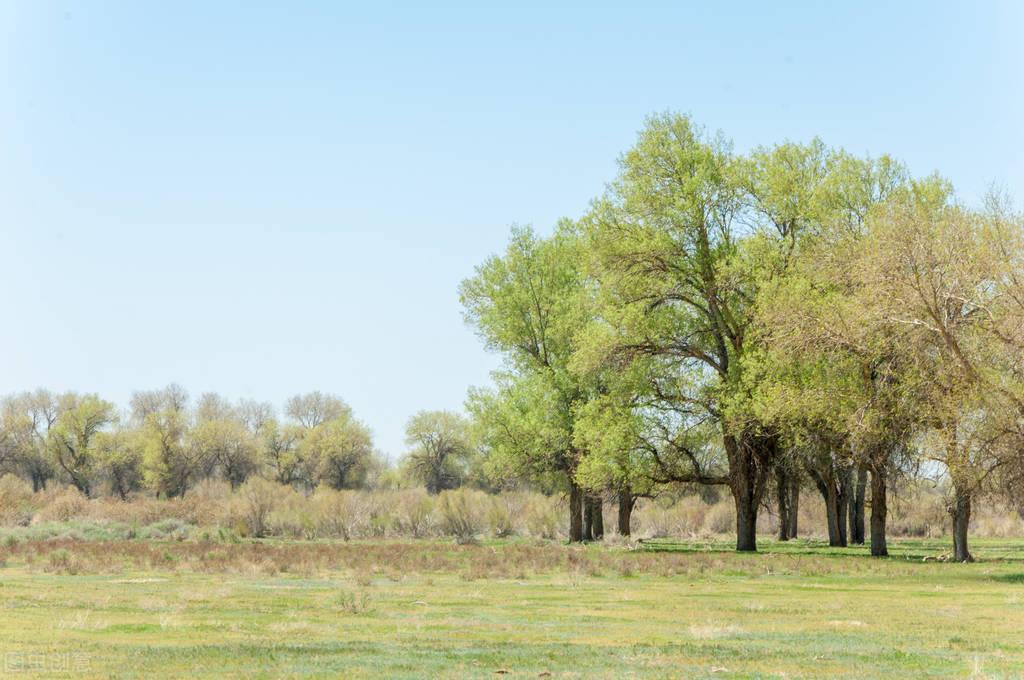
[682, 243]
[529, 304]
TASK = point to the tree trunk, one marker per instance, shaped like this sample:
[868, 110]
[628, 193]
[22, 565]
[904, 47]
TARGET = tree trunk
[783, 489]
[856, 513]
[588, 519]
[794, 505]
[746, 525]
[575, 513]
[626, 503]
[960, 510]
[842, 503]
[751, 458]
[597, 518]
[828, 493]
[826, 483]
[878, 514]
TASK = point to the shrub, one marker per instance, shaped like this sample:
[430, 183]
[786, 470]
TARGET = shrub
[504, 513]
[720, 518]
[258, 498]
[17, 502]
[62, 504]
[544, 516]
[341, 514]
[414, 513]
[462, 514]
[353, 603]
[61, 561]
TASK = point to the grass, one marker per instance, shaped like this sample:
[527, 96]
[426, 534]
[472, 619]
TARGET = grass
[412, 609]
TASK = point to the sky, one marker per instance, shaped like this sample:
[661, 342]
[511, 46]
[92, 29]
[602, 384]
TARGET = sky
[262, 199]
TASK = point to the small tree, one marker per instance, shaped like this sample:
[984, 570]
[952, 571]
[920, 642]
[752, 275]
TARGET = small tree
[72, 438]
[440, 441]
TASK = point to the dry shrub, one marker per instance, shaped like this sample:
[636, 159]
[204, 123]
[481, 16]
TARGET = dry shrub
[255, 501]
[293, 515]
[17, 502]
[505, 513]
[999, 523]
[413, 513]
[61, 561]
[462, 514]
[61, 504]
[545, 517]
[205, 505]
[341, 514]
[720, 518]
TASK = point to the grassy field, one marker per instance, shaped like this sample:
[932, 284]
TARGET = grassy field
[135, 609]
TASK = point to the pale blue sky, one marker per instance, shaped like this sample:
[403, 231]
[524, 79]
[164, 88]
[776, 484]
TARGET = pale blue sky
[261, 199]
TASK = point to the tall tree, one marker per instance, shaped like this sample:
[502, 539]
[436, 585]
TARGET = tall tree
[529, 304]
[683, 241]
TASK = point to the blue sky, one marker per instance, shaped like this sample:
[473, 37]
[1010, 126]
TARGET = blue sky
[261, 199]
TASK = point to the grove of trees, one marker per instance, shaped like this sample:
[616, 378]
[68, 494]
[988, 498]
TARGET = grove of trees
[760, 321]
[795, 318]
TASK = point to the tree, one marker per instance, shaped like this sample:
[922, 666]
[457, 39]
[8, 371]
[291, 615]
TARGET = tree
[342, 450]
[147, 402]
[228, 447]
[71, 440]
[683, 241]
[281, 453]
[26, 422]
[223, 441]
[169, 459]
[529, 304]
[440, 449]
[937, 274]
[315, 408]
[119, 455]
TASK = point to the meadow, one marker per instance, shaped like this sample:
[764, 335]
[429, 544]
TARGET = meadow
[516, 607]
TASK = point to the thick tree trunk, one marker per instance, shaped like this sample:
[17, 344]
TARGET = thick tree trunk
[830, 497]
[626, 503]
[860, 484]
[751, 459]
[960, 510]
[575, 513]
[746, 525]
[878, 514]
[597, 518]
[588, 519]
[826, 483]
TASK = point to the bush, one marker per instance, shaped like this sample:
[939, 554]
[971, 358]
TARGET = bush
[414, 513]
[258, 498]
[17, 502]
[341, 514]
[545, 517]
[504, 513]
[462, 514]
[720, 518]
[62, 504]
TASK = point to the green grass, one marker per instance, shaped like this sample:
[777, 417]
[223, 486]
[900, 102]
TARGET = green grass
[429, 609]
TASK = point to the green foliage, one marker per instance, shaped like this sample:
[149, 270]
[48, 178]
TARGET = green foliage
[441, 449]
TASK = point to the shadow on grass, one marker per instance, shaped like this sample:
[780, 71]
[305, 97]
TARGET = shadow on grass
[919, 550]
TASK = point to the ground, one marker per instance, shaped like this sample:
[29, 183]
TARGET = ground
[516, 609]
